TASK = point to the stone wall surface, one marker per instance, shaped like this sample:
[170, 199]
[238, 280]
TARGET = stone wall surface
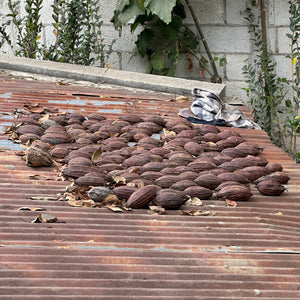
[225, 29]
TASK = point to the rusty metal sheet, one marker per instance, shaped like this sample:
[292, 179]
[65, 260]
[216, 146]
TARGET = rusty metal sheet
[245, 252]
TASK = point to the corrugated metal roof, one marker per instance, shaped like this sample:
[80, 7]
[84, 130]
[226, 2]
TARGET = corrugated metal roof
[244, 252]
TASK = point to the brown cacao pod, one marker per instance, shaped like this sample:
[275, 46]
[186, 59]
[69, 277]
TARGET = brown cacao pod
[211, 137]
[159, 151]
[236, 140]
[136, 160]
[274, 167]
[280, 177]
[56, 138]
[169, 199]
[189, 133]
[198, 191]
[228, 166]
[80, 161]
[207, 128]
[92, 179]
[228, 176]
[188, 175]
[34, 129]
[225, 134]
[142, 196]
[28, 137]
[123, 192]
[96, 116]
[235, 193]
[153, 166]
[132, 119]
[223, 144]
[193, 148]
[181, 185]
[151, 175]
[182, 158]
[113, 146]
[220, 159]
[247, 148]
[228, 183]
[154, 128]
[253, 173]
[199, 166]
[166, 181]
[232, 152]
[270, 188]
[208, 181]
[155, 119]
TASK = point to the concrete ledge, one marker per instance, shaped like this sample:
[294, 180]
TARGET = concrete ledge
[156, 83]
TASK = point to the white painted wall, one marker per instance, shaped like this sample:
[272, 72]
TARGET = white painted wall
[224, 27]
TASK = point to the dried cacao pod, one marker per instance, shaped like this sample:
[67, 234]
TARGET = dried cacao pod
[199, 166]
[270, 188]
[198, 191]
[92, 179]
[247, 148]
[56, 129]
[232, 152]
[96, 116]
[113, 146]
[225, 134]
[153, 166]
[220, 159]
[253, 173]
[189, 133]
[28, 137]
[155, 119]
[130, 118]
[37, 157]
[166, 181]
[228, 166]
[274, 167]
[154, 128]
[181, 185]
[76, 171]
[110, 167]
[151, 175]
[211, 137]
[223, 144]
[233, 177]
[28, 120]
[182, 158]
[208, 181]
[180, 127]
[207, 128]
[236, 140]
[188, 175]
[56, 138]
[123, 192]
[235, 193]
[159, 151]
[149, 140]
[280, 177]
[170, 171]
[136, 160]
[35, 129]
[193, 148]
[142, 196]
[169, 199]
[228, 183]
[80, 161]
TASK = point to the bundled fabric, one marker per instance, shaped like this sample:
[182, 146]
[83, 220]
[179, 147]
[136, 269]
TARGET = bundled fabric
[208, 108]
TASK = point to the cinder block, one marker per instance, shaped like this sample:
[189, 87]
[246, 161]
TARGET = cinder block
[234, 65]
[133, 64]
[284, 66]
[234, 90]
[284, 43]
[227, 39]
[235, 12]
[207, 12]
[278, 12]
[107, 9]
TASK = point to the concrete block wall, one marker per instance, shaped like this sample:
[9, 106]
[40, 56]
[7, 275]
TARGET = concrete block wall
[225, 29]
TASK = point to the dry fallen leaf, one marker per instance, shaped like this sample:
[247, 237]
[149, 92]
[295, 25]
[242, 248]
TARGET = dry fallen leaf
[231, 203]
[118, 179]
[31, 208]
[197, 213]
[114, 208]
[43, 198]
[193, 201]
[168, 132]
[96, 155]
[156, 210]
[45, 218]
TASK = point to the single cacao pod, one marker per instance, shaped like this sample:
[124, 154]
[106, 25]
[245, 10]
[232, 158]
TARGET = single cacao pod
[198, 191]
[270, 188]
[123, 192]
[169, 199]
[141, 197]
[208, 181]
[235, 193]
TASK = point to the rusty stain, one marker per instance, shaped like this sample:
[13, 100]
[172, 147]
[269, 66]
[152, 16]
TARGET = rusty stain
[240, 253]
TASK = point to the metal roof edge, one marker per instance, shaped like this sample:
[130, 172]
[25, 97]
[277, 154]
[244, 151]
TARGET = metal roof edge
[117, 77]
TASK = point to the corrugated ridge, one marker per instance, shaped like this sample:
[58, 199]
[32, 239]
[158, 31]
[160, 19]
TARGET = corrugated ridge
[247, 252]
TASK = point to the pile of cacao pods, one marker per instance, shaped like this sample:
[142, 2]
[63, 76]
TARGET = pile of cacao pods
[152, 159]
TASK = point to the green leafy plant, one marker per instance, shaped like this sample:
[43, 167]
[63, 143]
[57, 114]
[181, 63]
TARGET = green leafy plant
[292, 125]
[267, 92]
[77, 27]
[164, 36]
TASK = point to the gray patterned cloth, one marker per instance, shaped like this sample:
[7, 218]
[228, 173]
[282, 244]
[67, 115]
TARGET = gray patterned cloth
[208, 108]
